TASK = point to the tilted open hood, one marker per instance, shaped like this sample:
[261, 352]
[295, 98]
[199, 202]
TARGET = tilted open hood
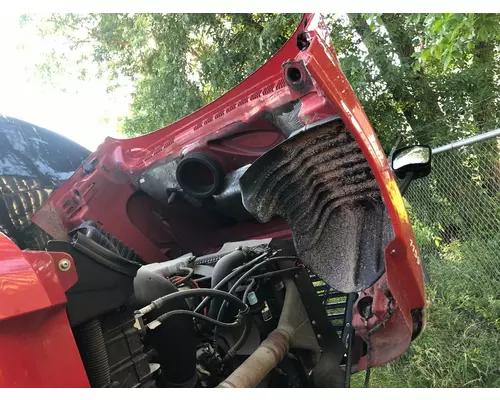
[287, 153]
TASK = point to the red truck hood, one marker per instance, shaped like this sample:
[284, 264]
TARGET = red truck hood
[250, 165]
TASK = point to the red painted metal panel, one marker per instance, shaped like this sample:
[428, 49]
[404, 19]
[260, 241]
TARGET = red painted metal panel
[403, 275]
[37, 347]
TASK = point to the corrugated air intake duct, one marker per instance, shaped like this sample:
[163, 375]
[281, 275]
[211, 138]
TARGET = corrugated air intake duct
[320, 183]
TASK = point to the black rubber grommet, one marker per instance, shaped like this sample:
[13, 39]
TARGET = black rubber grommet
[199, 175]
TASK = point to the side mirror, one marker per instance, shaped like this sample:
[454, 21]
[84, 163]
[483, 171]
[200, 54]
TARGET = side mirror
[412, 159]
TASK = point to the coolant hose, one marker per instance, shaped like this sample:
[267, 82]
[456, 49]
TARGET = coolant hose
[174, 342]
[223, 267]
[226, 264]
[275, 347]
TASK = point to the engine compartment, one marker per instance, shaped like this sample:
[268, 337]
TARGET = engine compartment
[144, 333]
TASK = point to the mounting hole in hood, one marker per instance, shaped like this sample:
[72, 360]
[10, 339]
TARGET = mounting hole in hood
[199, 175]
[293, 74]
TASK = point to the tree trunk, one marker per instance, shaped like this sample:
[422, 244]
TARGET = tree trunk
[485, 110]
[417, 99]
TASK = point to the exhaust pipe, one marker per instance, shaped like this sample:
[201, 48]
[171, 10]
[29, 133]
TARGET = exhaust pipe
[276, 346]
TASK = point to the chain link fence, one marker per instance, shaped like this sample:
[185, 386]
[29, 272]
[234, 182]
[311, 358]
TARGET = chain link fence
[456, 209]
[456, 213]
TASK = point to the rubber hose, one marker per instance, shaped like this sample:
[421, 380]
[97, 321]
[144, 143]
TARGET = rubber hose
[239, 343]
[226, 264]
[92, 349]
[223, 267]
[175, 341]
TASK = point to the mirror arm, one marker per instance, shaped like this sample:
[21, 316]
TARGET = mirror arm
[394, 148]
[406, 182]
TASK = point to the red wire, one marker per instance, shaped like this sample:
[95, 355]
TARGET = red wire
[178, 278]
[195, 283]
[205, 310]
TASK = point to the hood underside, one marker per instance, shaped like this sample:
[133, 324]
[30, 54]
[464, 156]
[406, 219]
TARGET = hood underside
[288, 153]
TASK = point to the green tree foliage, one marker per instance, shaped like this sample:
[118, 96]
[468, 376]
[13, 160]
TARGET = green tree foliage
[426, 69]
[179, 62]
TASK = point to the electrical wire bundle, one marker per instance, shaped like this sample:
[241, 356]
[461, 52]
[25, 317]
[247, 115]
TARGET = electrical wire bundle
[249, 273]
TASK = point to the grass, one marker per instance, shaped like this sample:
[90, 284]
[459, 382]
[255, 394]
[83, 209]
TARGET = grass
[460, 346]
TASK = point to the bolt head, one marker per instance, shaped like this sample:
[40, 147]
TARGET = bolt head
[318, 336]
[64, 264]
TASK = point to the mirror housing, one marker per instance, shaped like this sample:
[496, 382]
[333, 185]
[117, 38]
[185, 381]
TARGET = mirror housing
[416, 159]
